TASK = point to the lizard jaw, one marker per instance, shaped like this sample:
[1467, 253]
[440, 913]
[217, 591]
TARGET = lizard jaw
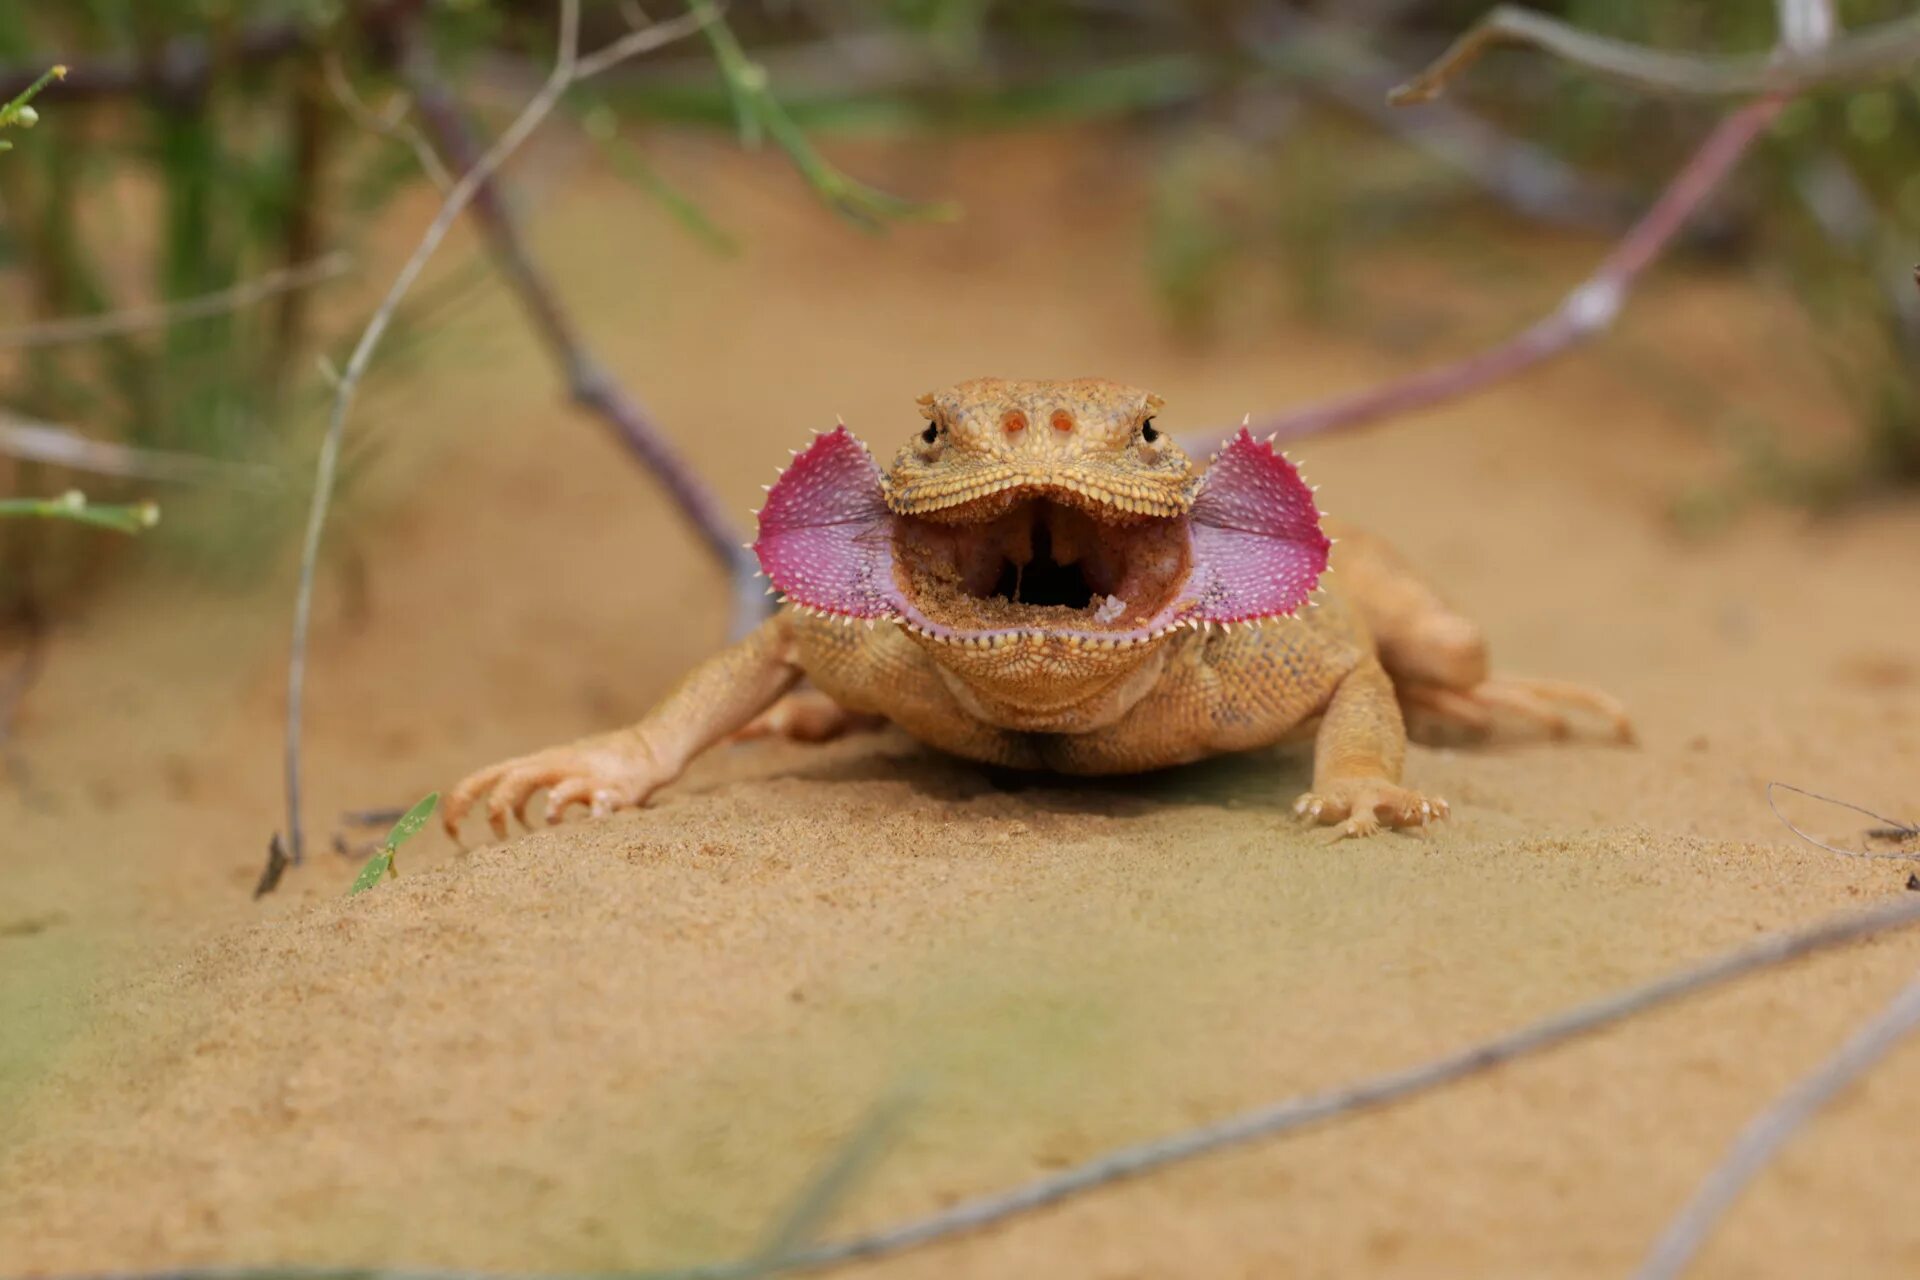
[1250, 548]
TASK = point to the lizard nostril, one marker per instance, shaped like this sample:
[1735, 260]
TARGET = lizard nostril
[1062, 420]
[1014, 421]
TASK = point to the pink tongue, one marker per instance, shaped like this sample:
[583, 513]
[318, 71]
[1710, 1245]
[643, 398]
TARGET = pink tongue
[826, 536]
[1258, 550]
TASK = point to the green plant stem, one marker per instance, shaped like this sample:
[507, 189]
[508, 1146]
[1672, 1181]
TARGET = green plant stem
[757, 111]
[16, 113]
[73, 505]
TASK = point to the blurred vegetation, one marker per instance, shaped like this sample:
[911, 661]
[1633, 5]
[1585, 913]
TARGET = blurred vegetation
[233, 156]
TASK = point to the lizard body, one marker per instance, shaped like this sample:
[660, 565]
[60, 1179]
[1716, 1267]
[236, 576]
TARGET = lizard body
[1042, 580]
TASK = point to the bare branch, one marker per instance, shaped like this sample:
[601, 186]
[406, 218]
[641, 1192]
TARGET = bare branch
[43, 442]
[1334, 64]
[459, 196]
[1876, 53]
[1773, 1128]
[1299, 1113]
[589, 383]
[114, 324]
[1588, 310]
[1892, 825]
[391, 123]
[644, 40]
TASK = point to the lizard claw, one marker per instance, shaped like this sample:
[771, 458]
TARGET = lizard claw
[605, 774]
[1361, 806]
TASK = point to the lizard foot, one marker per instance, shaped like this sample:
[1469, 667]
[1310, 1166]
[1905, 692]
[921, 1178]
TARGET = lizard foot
[615, 771]
[807, 716]
[1544, 702]
[1361, 806]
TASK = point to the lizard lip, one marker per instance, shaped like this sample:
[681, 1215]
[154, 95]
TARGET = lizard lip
[1036, 562]
[988, 490]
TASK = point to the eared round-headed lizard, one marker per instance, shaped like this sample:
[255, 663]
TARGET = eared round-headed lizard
[1043, 580]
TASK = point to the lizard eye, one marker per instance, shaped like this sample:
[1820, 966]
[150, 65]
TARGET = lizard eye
[932, 432]
[1147, 431]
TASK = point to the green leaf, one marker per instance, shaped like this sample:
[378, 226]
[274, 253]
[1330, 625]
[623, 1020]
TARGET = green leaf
[382, 864]
[411, 821]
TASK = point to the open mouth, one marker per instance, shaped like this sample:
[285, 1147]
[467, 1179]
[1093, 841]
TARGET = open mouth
[1043, 560]
[1043, 563]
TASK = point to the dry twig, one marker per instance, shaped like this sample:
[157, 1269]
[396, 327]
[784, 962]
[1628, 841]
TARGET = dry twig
[114, 324]
[1804, 59]
[1589, 310]
[589, 383]
[1773, 1128]
[458, 197]
[1800, 62]
[277, 863]
[1893, 828]
[1333, 63]
[390, 123]
[61, 447]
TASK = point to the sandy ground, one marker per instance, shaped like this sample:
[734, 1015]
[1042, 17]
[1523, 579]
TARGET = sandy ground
[628, 1043]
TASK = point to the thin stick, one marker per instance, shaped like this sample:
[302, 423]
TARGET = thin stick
[1298, 1113]
[1588, 310]
[457, 199]
[62, 447]
[830, 1188]
[589, 383]
[1894, 826]
[1334, 63]
[114, 324]
[1872, 54]
[1271, 1121]
[1773, 1128]
[391, 123]
[645, 38]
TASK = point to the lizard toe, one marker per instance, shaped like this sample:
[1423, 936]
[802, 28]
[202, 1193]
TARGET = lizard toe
[1363, 806]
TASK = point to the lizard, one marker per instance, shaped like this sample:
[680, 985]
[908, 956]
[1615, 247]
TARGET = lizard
[1043, 579]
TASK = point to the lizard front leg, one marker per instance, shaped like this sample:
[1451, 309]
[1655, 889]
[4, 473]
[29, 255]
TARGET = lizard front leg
[1357, 757]
[620, 770]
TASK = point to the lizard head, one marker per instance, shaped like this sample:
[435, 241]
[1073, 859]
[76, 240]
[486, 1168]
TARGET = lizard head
[993, 444]
[1050, 515]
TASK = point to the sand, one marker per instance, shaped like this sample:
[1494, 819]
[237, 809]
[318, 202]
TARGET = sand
[628, 1043]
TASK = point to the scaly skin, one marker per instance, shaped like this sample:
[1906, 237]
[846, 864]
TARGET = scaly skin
[1046, 688]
